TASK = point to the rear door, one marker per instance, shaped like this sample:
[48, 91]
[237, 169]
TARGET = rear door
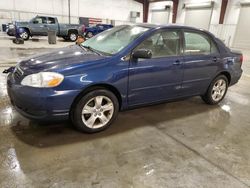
[158, 78]
[201, 60]
[52, 24]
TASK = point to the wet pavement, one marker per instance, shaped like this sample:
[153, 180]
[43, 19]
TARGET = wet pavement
[179, 144]
[10, 56]
[11, 52]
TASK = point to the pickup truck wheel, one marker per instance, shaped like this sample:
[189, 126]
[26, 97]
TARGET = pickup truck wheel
[72, 36]
[89, 34]
[216, 91]
[95, 111]
[25, 35]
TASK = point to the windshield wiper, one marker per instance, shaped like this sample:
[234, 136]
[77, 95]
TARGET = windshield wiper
[96, 51]
[92, 49]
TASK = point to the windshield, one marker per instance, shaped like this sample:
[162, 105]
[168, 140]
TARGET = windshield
[114, 40]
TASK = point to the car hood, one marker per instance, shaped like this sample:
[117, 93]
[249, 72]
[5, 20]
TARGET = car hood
[22, 23]
[59, 59]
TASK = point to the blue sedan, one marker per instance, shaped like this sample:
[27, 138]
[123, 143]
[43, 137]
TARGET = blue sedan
[91, 31]
[123, 68]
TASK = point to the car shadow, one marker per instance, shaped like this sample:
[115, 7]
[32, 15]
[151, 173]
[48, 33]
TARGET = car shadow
[48, 134]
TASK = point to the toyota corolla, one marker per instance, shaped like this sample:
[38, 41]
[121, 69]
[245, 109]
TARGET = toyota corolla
[123, 68]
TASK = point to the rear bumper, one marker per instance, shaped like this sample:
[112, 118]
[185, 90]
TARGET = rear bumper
[40, 103]
[235, 77]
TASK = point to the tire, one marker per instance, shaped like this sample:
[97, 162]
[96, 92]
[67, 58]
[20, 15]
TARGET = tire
[216, 91]
[95, 111]
[89, 34]
[66, 38]
[72, 36]
[25, 35]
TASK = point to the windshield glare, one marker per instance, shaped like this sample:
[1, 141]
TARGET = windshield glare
[114, 40]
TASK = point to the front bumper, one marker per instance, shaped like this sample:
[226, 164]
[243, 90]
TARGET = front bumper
[40, 103]
[10, 32]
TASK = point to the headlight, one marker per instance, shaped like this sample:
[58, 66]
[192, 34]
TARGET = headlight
[11, 26]
[43, 79]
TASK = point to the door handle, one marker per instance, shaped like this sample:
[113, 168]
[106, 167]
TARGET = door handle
[215, 59]
[177, 62]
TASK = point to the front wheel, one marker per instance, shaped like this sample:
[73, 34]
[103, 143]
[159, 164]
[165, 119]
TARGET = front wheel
[89, 35]
[95, 111]
[25, 35]
[217, 90]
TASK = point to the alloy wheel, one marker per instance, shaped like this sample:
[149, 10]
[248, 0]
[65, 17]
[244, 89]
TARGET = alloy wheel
[72, 36]
[90, 34]
[219, 89]
[97, 112]
[24, 35]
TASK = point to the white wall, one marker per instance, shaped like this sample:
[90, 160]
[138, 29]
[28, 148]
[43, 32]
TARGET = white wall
[224, 31]
[11, 10]
[215, 14]
[160, 5]
[227, 30]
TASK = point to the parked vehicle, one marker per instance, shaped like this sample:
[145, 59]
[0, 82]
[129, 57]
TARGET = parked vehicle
[91, 31]
[10, 29]
[40, 25]
[122, 68]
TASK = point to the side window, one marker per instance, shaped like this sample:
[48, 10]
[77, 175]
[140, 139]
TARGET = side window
[51, 20]
[39, 20]
[162, 44]
[101, 26]
[196, 44]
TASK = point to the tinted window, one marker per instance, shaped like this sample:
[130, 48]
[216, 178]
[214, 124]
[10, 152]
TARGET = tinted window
[51, 21]
[162, 44]
[196, 43]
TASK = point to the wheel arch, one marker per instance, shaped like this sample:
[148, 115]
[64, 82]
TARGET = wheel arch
[227, 74]
[72, 31]
[90, 88]
[26, 28]
[87, 33]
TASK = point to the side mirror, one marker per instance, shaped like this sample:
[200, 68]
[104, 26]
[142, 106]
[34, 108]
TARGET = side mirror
[142, 53]
[35, 22]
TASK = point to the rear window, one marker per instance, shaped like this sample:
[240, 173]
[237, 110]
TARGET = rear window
[196, 43]
[51, 21]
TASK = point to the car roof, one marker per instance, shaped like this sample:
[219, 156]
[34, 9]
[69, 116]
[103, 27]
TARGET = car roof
[176, 26]
[166, 26]
[45, 16]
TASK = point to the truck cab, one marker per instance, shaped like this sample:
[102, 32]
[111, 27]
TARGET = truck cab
[40, 25]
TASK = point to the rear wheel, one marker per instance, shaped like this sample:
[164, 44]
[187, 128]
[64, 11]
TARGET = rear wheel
[217, 90]
[72, 36]
[95, 111]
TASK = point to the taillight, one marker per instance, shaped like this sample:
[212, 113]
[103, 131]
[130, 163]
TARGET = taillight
[241, 58]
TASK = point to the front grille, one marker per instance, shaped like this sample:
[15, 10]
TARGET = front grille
[18, 73]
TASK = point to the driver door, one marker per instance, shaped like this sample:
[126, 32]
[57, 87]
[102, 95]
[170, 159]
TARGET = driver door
[160, 77]
[39, 26]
